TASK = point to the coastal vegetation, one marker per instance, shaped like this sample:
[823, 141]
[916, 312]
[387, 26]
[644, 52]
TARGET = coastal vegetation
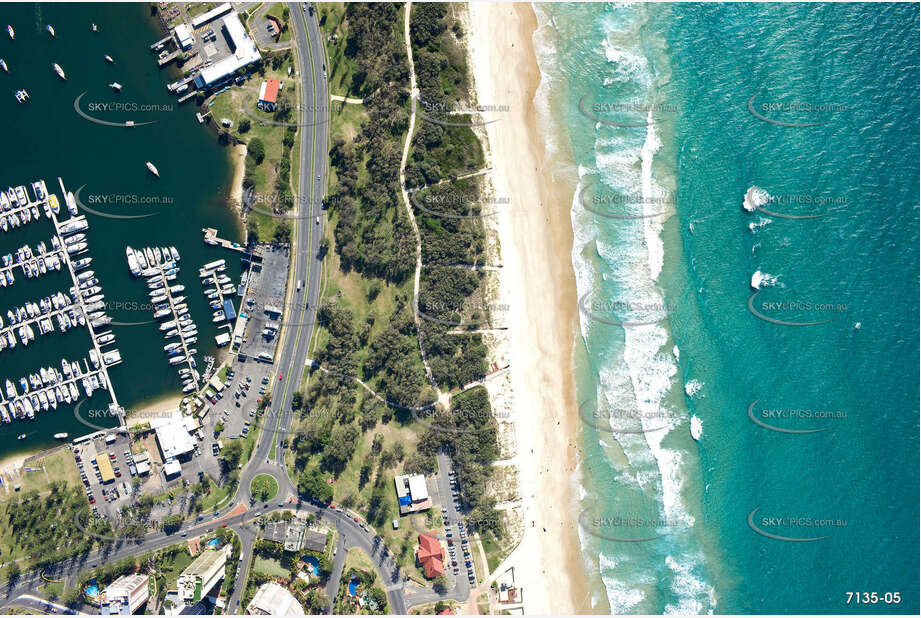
[270, 139]
[38, 529]
[350, 441]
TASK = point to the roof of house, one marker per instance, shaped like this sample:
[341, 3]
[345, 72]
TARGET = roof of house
[430, 555]
[269, 90]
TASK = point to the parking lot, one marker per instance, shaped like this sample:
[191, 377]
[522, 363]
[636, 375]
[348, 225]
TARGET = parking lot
[267, 287]
[445, 491]
[107, 469]
[235, 407]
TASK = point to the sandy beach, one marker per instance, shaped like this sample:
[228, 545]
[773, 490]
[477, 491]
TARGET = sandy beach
[239, 169]
[536, 240]
[165, 406]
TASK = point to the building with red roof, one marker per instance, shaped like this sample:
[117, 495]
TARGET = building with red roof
[431, 556]
[268, 95]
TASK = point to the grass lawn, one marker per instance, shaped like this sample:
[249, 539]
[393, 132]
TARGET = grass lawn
[493, 550]
[194, 9]
[58, 465]
[341, 68]
[358, 559]
[270, 566]
[264, 487]
[231, 104]
[173, 566]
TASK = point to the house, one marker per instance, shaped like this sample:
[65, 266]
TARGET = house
[268, 95]
[412, 494]
[431, 556]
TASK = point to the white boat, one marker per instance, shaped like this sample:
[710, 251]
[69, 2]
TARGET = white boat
[115, 86]
[50, 30]
[153, 169]
[60, 436]
[3, 65]
[57, 69]
[95, 28]
[109, 59]
[10, 31]
[132, 262]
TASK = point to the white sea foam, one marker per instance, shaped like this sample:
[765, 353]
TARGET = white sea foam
[754, 198]
[693, 387]
[636, 367]
[754, 226]
[695, 595]
[762, 280]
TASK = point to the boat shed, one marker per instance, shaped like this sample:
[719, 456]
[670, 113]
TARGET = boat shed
[211, 15]
[183, 36]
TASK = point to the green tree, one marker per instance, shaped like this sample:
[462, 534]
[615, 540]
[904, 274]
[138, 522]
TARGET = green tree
[244, 125]
[256, 150]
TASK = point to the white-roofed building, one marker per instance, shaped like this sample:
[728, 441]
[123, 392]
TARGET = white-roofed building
[174, 437]
[243, 52]
[183, 36]
[211, 15]
[125, 595]
[171, 467]
[273, 600]
[412, 493]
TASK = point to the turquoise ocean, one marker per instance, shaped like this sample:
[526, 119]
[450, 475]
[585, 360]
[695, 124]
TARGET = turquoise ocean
[746, 246]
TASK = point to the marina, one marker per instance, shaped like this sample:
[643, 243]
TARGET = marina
[159, 267]
[83, 306]
[108, 163]
[212, 274]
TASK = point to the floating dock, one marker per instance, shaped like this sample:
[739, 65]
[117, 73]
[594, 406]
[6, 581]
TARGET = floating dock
[211, 238]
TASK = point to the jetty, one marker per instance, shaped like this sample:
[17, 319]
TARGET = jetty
[158, 44]
[211, 238]
[160, 268]
[107, 359]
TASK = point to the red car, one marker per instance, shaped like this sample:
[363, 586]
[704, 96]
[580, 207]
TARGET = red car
[280, 376]
[223, 525]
